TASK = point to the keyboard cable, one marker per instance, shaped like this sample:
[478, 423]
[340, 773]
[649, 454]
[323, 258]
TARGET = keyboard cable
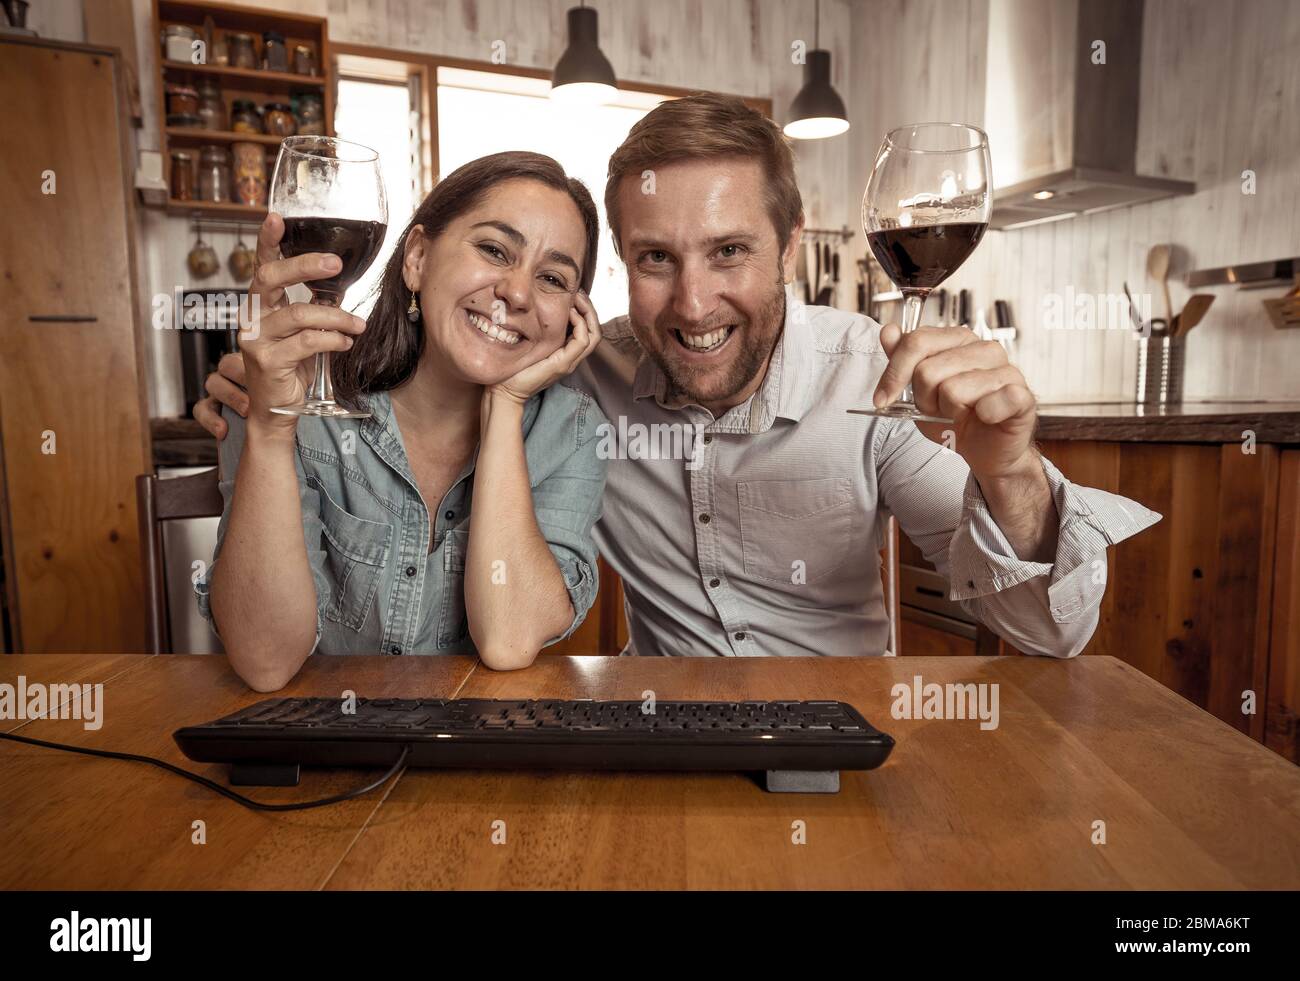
[248, 802]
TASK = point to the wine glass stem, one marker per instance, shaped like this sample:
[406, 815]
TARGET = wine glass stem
[913, 302]
[322, 388]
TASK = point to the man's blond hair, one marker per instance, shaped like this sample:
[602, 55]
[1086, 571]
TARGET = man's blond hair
[708, 126]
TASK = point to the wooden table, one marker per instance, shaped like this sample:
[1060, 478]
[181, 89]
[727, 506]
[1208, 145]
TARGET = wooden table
[1188, 802]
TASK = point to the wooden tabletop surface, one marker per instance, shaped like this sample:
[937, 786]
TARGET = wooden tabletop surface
[1187, 801]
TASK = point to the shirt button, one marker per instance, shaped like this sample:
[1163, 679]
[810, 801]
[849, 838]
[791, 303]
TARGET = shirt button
[394, 650]
[740, 635]
[449, 515]
[708, 438]
[704, 519]
[714, 583]
[410, 570]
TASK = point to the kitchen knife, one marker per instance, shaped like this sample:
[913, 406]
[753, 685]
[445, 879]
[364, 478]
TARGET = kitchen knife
[824, 293]
[801, 275]
[835, 279]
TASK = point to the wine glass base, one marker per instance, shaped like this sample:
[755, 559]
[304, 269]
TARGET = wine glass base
[899, 410]
[330, 410]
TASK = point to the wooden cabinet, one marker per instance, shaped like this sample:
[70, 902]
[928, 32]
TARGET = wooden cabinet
[1282, 710]
[1205, 601]
[72, 431]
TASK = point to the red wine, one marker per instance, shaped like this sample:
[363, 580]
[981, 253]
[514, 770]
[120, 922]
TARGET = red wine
[356, 243]
[924, 256]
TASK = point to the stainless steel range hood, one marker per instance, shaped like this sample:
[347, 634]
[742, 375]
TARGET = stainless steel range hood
[1063, 129]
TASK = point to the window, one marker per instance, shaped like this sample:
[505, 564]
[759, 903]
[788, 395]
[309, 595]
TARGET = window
[388, 103]
[378, 105]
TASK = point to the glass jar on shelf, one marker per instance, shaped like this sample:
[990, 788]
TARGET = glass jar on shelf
[304, 60]
[181, 99]
[182, 182]
[250, 174]
[178, 42]
[278, 119]
[275, 56]
[211, 109]
[214, 174]
[310, 114]
[242, 53]
[244, 117]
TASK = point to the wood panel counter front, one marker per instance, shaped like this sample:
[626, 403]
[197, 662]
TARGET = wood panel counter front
[1082, 748]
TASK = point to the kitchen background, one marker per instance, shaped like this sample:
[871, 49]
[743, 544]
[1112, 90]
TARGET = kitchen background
[1219, 83]
[1206, 602]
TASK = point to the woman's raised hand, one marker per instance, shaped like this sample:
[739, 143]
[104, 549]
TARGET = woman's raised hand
[278, 338]
[527, 382]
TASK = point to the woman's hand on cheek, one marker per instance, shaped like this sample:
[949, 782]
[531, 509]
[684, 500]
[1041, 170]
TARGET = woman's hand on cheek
[527, 382]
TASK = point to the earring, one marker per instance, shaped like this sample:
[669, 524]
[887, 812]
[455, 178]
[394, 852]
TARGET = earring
[413, 310]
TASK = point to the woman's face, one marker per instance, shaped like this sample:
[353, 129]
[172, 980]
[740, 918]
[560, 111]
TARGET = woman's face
[496, 286]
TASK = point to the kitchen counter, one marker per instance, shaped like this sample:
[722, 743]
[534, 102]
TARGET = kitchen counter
[1188, 422]
[183, 442]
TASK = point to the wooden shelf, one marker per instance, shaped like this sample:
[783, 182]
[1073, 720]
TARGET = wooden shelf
[209, 209]
[259, 78]
[236, 83]
[193, 134]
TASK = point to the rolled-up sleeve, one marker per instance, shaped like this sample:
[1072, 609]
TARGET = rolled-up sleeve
[567, 504]
[1041, 608]
[229, 451]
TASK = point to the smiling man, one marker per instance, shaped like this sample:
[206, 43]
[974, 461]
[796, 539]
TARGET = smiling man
[767, 544]
[763, 538]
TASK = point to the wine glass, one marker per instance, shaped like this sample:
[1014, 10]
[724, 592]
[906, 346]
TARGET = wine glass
[331, 196]
[925, 209]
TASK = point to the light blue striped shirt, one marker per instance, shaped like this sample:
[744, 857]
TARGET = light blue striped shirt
[762, 536]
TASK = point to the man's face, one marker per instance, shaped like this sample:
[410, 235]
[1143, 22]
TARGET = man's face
[705, 276]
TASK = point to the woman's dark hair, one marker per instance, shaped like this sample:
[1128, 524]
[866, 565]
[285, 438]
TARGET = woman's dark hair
[387, 353]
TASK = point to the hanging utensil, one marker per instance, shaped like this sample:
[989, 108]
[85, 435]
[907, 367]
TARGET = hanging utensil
[801, 274]
[817, 270]
[941, 299]
[1284, 311]
[1133, 311]
[202, 259]
[242, 259]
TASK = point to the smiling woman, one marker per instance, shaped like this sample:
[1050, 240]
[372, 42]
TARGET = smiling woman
[481, 309]
[387, 355]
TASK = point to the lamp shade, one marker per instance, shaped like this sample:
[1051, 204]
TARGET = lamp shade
[583, 74]
[817, 111]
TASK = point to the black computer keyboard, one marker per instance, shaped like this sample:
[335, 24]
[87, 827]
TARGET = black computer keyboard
[800, 745]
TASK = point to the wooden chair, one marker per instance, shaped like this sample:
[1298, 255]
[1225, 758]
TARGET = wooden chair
[159, 500]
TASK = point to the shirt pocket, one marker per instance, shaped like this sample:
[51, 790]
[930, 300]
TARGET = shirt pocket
[453, 626]
[358, 550]
[796, 531]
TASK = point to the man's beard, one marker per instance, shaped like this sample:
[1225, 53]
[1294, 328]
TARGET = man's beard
[693, 383]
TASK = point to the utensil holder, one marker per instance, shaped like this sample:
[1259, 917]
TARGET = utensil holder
[1160, 369]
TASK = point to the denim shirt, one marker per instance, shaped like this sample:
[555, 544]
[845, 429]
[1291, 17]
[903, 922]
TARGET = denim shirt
[378, 587]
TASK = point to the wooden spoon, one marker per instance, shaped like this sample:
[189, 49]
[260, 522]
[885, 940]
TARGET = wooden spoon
[1158, 269]
[1193, 312]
